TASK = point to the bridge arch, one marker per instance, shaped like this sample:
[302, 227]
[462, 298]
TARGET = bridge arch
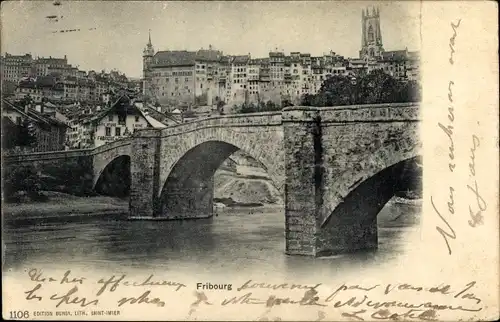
[370, 166]
[187, 165]
[104, 156]
[114, 179]
[347, 218]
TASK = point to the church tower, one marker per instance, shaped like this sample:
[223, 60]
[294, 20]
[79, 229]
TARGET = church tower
[147, 59]
[371, 36]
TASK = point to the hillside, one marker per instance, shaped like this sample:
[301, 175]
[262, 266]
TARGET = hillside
[244, 189]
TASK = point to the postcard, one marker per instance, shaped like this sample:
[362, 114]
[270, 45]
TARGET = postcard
[250, 160]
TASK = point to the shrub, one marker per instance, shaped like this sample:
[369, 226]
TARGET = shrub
[22, 178]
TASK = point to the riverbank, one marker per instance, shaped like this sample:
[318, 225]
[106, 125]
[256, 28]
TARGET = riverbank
[65, 205]
[62, 204]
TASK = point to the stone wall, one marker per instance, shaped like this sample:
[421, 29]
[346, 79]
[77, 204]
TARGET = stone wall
[144, 174]
[105, 154]
[336, 166]
[186, 156]
[71, 171]
[302, 132]
[192, 152]
[360, 141]
[64, 172]
[259, 135]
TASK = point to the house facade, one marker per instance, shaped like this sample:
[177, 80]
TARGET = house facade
[49, 133]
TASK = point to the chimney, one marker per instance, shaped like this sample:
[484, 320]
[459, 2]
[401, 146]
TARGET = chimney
[42, 107]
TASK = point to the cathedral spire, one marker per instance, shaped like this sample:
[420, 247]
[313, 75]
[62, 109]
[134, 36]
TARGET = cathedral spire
[371, 35]
[149, 50]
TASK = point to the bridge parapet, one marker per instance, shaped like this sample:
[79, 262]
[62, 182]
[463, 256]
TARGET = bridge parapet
[233, 120]
[370, 113]
[147, 133]
[45, 156]
[110, 146]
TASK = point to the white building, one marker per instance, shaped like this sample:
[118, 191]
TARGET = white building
[119, 121]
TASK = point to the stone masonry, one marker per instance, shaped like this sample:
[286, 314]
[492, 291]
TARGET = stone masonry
[337, 167]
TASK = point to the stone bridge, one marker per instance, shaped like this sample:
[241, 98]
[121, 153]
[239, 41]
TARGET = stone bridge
[78, 168]
[337, 167]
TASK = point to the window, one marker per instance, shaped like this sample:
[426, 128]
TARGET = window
[121, 119]
[201, 85]
[18, 120]
[108, 131]
[186, 79]
[110, 117]
[118, 131]
[137, 118]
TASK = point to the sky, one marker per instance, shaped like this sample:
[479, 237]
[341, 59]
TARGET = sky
[234, 27]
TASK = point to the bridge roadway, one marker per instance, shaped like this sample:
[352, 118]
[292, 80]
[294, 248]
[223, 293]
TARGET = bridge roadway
[336, 166]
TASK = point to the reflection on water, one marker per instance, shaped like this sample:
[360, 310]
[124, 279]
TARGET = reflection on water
[235, 240]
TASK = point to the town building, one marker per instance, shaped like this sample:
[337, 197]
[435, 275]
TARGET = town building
[116, 122]
[60, 88]
[181, 78]
[184, 79]
[49, 132]
[23, 74]
[15, 67]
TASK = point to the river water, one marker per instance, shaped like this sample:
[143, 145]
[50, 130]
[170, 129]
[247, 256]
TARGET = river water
[236, 240]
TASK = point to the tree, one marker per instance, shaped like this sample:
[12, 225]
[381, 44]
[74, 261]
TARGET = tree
[336, 90]
[26, 136]
[286, 103]
[248, 108]
[378, 87]
[307, 100]
[373, 88]
[9, 133]
[22, 178]
[188, 114]
[220, 107]
[410, 92]
[271, 106]
[8, 88]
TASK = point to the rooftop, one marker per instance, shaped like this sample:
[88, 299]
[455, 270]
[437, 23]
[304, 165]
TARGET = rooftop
[174, 58]
[32, 114]
[395, 55]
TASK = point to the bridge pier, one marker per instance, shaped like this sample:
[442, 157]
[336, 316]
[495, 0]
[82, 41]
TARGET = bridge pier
[144, 174]
[305, 189]
[347, 237]
[339, 167]
[189, 203]
[303, 183]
